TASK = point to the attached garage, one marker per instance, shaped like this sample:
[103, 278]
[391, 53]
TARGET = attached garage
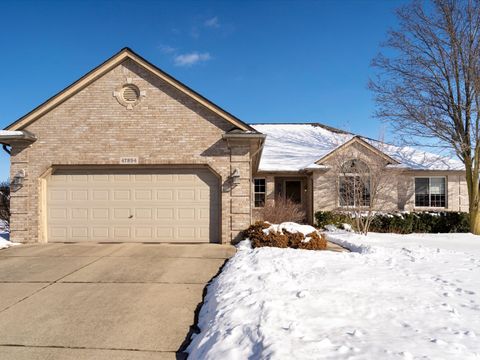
[127, 153]
[133, 205]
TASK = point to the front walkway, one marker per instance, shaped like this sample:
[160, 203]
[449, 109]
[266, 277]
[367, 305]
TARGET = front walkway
[334, 247]
[102, 301]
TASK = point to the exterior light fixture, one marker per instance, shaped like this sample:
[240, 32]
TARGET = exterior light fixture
[235, 177]
[18, 179]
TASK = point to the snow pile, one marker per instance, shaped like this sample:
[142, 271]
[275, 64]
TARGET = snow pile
[5, 242]
[292, 228]
[293, 147]
[5, 237]
[395, 297]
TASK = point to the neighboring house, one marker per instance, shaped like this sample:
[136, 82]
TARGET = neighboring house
[128, 153]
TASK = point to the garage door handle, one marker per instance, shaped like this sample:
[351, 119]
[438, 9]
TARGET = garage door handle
[131, 216]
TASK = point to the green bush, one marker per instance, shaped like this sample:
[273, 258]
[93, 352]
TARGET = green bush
[324, 218]
[404, 223]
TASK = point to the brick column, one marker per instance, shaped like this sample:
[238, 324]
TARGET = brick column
[240, 210]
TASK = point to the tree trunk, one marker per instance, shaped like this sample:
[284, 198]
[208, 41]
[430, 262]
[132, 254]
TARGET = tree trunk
[475, 221]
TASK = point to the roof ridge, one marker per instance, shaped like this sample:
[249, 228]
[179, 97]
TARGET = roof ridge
[315, 124]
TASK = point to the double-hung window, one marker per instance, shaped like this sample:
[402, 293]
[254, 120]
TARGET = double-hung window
[430, 192]
[259, 191]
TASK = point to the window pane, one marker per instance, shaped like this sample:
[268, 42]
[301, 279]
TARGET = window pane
[259, 192]
[421, 186]
[437, 200]
[365, 188]
[259, 200]
[259, 185]
[437, 186]
[346, 190]
[354, 166]
[422, 197]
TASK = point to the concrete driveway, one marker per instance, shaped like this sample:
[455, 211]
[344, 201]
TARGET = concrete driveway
[102, 301]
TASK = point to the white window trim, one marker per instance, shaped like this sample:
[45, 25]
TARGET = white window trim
[255, 192]
[415, 192]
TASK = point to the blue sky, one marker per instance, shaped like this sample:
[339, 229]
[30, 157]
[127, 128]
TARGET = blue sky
[263, 61]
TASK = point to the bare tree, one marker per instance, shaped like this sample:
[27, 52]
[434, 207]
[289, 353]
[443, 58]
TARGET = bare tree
[428, 87]
[5, 202]
[363, 182]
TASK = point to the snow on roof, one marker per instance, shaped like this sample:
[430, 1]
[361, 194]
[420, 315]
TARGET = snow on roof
[293, 147]
[10, 133]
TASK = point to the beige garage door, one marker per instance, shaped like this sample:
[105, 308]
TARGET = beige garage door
[162, 205]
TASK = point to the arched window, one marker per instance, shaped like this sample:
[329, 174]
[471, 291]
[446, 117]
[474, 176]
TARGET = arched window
[355, 166]
[354, 184]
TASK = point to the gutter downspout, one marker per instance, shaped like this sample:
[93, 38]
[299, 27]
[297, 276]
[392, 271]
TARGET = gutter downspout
[260, 148]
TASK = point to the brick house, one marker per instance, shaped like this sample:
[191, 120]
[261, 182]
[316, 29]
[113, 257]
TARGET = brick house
[128, 153]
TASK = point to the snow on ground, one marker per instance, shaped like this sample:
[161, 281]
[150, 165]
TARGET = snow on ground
[394, 297]
[5, 240]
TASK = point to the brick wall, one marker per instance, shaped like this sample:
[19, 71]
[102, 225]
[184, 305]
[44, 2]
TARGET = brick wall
[166, 127]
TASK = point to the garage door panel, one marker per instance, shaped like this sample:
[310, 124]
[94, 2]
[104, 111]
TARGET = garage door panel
[57, 195]
[100, 233]
[100, 214]
[58, 233]
[80, 232]
[122, 194]
[79, 213]
[170, 205]
[142, 194]
[165, 214]
[164, 194]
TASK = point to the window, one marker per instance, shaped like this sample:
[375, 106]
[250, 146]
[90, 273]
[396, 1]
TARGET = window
[354, 184]
[430, 192]
[354, 191]
[259, 192]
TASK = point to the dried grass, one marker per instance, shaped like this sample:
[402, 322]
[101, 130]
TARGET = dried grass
[282, 210]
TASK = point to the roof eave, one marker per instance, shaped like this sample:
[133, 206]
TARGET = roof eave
[23, 136]
[255, 135]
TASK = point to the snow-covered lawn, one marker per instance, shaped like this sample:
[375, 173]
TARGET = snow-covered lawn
[394, 297]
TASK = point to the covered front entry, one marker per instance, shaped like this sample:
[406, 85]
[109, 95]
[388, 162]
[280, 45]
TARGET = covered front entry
[296, 189]
[132, 205]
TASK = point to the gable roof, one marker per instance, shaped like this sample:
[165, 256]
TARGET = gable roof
[357, 139]
[296, 147]
[106, 66]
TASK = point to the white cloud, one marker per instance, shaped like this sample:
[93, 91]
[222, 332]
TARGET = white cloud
[212, 22]
[192, 58]
[167, 49]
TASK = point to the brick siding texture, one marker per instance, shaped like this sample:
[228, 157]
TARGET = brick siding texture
[165, 127]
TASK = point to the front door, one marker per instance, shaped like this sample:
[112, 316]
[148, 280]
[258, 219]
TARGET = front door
[293, 191]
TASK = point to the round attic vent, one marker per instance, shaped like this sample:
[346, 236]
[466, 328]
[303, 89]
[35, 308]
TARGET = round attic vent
[130, 93]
